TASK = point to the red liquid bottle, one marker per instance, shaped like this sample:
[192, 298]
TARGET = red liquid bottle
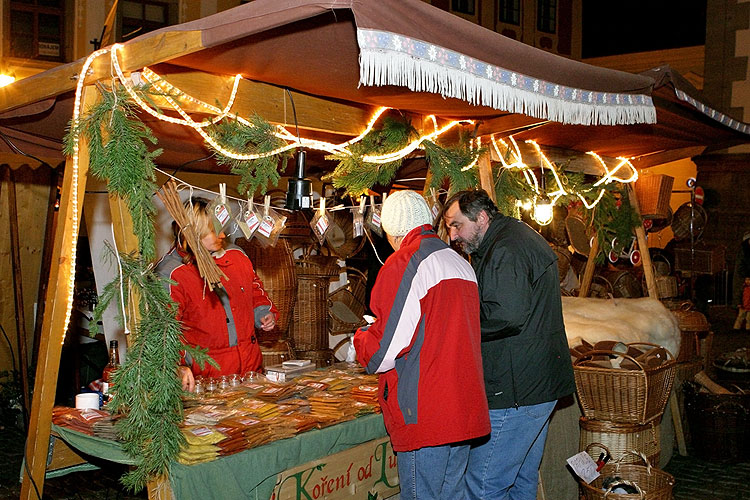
[112, 365]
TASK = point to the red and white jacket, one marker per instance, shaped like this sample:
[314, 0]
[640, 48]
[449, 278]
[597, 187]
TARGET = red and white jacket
[222, 320]
[425, 343]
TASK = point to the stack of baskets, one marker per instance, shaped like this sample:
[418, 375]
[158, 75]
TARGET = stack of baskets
[622, 407]
[629, 469]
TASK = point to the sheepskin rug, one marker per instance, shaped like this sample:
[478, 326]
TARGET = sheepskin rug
[626, 320]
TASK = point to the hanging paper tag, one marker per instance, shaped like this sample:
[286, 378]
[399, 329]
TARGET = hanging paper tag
[435, 205]
[219, 210]
[373, 218]
[320, 223]
[584, 466]
[266, 226]
[270, 228]
[248, 220]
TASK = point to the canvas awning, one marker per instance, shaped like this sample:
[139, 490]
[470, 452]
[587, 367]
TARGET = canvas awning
[404, 54]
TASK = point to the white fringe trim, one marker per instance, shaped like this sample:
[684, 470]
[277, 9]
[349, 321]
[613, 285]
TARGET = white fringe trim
[378, 67]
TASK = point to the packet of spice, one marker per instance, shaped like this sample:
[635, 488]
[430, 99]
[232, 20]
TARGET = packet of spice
[219, 209]
[247, 220]
[270, 226]
[320, 223]
[373, 217]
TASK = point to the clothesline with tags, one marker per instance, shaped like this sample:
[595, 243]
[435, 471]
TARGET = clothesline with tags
[266, 225]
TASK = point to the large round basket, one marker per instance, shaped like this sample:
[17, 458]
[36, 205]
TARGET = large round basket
[652, 483]
[689, 218]
[624, 283]
[623, 396]
[275, 268]
[340, 238]
[346, 305]
[621, 438]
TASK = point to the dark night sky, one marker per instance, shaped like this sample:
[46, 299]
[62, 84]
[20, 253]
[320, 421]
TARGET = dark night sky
[613, 27]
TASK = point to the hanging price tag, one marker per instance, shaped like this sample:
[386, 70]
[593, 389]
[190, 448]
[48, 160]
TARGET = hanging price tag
[584, 466]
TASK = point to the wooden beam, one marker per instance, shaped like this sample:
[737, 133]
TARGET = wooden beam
[640, 234]
[55, 320]
[134, 55]
[588, 273]
[506, 125]
[15, 252]
[486, 179]
[662, 157]
[272, 103]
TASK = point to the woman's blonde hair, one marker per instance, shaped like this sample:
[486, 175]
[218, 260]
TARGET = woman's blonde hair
[197, 209]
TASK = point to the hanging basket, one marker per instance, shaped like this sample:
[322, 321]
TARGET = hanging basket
[654, 193]
[651, 483]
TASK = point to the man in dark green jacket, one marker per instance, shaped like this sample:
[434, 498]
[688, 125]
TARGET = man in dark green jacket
[525, 353]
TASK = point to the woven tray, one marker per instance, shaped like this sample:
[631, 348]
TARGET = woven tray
[652, 483]
[346, 305]
[621, 438]
[623, 396]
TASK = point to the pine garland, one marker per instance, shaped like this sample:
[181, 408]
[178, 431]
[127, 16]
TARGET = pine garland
[118, 154]
[146, 387]
[357, 176]
[255, 175]
[450, 162]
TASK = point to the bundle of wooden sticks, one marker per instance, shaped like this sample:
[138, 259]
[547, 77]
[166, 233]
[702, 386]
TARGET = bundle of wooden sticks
[207, 268]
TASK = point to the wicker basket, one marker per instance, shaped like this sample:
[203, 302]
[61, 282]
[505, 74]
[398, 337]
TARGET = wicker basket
[340, 238]
[666, 286]
[346, 305]
[275, 268]
[689, 217]
[691, 321]
[652, 483]
[623, 396]
[623, 282]
[274, 353]
[654, 193]
[621, 438]
[309, 327]
[719, 424]
[321, 357]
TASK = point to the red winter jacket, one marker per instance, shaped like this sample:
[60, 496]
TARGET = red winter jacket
[425, 344]
[222, 320]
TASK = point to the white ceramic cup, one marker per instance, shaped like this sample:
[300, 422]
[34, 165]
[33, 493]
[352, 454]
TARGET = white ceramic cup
[87, 400]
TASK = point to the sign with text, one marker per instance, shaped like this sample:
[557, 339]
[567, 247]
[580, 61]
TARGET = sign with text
[366, 472]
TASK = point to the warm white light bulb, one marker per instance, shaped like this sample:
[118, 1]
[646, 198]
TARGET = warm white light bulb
[6, 79]
[543, 211]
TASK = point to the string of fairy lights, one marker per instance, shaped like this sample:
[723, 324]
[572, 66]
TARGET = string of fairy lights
[510, 158]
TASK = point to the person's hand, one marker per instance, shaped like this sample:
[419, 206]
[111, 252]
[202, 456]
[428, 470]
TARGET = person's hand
[267, 322]
[186, 376]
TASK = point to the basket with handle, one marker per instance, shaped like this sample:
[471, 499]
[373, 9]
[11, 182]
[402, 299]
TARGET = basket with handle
[346, 305]
[309, 325]
[620, 438]
[650, 482]
[625, 396]
[654, 193]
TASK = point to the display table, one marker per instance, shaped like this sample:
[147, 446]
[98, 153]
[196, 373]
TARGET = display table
[251, 473]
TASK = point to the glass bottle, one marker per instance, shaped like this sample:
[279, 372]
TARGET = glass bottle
[112, 365]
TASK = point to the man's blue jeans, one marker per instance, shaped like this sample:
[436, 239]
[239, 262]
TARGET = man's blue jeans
[506, 465]
[433, 472]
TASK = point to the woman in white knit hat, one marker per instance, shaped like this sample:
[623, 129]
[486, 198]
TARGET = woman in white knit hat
[425, 344]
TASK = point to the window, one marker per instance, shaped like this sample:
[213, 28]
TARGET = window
[546, 16]
[142, 16]
[463, 6]
[510, 11]
[36, 29]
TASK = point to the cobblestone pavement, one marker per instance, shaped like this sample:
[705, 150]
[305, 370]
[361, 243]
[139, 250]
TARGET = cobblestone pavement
[696, 479]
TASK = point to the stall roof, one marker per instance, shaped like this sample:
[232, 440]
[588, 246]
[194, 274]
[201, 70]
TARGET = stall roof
[343, 58]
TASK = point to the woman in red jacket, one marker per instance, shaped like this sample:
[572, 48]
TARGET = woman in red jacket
[223, 320]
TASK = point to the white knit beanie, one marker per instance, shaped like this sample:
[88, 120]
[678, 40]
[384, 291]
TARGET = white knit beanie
[403, 211]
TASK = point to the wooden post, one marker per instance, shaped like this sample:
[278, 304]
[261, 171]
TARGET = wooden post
[640, 234]
[126, 242]
[15, 252]
[55, 319]
[486, 179]
[588, 273]
[49, 235]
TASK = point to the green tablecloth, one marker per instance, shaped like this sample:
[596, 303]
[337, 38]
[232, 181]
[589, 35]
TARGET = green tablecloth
[249, 474]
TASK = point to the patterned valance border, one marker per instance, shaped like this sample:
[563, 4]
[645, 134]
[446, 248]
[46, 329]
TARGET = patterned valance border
[391, 59]
[712, 113]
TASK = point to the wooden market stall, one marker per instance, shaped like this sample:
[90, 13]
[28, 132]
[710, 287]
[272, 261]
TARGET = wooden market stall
[328, 67]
